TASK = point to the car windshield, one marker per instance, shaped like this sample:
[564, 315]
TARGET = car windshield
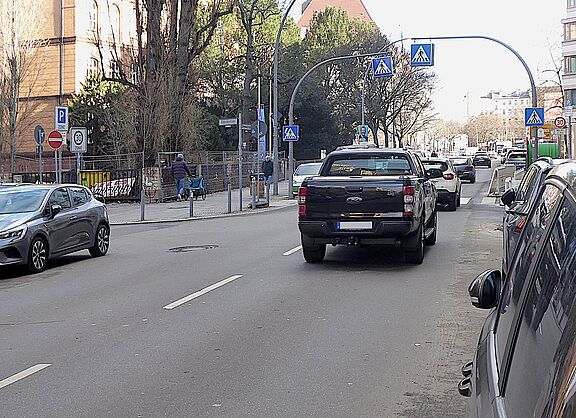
[14, 200]
[460, 161]
[307, 170]
[374, 165]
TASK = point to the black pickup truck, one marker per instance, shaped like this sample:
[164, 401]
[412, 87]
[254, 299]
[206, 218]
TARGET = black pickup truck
[369, 197]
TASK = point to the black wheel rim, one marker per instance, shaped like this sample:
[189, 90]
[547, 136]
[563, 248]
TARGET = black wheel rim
[39, 255]
[103, 239]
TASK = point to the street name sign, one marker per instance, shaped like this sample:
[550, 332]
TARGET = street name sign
[291, 133]
[55, 139]
[39, 134]
[534, 116]
[228, 122]
[382, 67]
[560, 122]
[61, 118]
[422, 55]
[79, 142]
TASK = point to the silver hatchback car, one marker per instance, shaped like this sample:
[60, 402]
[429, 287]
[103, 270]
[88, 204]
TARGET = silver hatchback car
[39, 222]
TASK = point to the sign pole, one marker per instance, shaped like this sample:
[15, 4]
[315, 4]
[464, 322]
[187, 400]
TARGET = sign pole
[290, 168]
[240, 176]
[258, 139]
[40, 168]
[570, 137]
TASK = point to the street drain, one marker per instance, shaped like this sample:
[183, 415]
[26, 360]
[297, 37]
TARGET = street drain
[189, 248]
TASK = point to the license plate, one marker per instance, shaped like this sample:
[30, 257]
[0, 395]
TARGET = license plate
[354, 225]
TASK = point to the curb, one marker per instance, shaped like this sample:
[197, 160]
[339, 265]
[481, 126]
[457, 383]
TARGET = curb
[200, 218]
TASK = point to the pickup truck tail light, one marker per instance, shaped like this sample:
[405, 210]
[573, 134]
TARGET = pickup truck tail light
[302, 194]
[409, 193]
[449, 176]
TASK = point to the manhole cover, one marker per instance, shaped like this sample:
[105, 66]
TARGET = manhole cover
[188, 248]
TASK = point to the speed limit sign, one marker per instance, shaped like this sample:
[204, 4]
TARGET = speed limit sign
[560, 122]
[79, 141]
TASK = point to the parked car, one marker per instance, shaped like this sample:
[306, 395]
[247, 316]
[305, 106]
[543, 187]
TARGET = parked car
[464, 168]
[303, 171]
[369, 197]
[519, 201]
[524, 365]
[507, 151]
[449, 186]
[482, 158]
[517, 159]
[40, 222]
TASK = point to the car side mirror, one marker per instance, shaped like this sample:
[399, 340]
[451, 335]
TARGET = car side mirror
[55, 210]
[484, 290]
[508, 197]
[434, 173]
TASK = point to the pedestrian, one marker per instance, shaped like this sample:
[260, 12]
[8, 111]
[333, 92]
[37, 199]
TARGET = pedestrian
[268, 170]
[179, 171]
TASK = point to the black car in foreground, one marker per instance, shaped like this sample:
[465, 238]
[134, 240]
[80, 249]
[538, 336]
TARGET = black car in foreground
[525, 362]
[369, 197]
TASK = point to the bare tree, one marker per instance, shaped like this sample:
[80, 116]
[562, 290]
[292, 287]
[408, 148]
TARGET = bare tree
[22, 62]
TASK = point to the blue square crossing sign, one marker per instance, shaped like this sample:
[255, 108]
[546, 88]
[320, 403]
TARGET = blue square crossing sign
[291, 133]
[382, 67]
[534, 116]
[422, 55]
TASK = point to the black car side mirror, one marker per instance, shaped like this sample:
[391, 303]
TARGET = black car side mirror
[508, 197]
[434, 173]
[484, 290]
[55, 210]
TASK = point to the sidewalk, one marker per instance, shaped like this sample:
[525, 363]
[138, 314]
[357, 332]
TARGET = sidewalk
[215, 205]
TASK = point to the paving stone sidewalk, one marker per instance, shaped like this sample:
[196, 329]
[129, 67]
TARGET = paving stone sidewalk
[215, 205]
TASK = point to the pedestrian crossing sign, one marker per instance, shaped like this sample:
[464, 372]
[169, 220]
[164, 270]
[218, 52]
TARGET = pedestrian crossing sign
[534, 116]
[291, 133]
[422, 55]
[382, 67]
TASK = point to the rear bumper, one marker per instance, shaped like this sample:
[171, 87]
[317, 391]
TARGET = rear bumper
[444, 196]
[382, 233]
[483, 163]
[467, 175]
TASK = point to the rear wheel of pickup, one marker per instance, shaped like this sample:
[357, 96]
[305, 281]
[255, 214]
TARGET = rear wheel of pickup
[312, 253]
[416, 255]
[432, 223]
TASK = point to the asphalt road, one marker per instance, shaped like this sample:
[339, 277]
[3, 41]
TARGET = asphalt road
[361, 335]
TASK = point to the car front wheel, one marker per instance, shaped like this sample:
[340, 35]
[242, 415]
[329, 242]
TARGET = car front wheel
[102, 241]
[37, 255]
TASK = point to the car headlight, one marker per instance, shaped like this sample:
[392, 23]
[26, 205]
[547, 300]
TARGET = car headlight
[15, 234]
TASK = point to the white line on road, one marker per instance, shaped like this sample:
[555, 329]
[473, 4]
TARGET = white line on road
[201, 292]
[21, 375]
[292, 251]
[465, 200]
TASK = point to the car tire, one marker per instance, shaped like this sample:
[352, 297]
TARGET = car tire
[452, 203]
[473, 180]
[37, 255]
[101, 241]
[433, 223]
[416, 255]
[312, 253]
[458, 198]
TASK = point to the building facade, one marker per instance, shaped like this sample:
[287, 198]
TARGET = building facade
[309, 8]
[69, 54]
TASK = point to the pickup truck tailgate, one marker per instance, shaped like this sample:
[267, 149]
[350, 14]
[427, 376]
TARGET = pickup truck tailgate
[355, 198]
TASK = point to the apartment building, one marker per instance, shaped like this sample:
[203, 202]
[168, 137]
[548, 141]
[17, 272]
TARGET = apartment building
[309, 8]
[69, 54]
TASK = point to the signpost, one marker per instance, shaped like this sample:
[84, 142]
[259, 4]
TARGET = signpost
[534, 116]
[39, 136]
[78, 145]
[291, 133]
[560, 122]
[382, 67]
[60, 125]
[422, 55]
[55, 140]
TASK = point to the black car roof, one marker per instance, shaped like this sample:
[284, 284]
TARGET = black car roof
[566, 173]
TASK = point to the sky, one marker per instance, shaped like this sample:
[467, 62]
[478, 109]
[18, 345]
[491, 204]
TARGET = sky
[475, 67]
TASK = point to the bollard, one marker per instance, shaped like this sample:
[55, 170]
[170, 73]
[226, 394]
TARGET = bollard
[253, 190]
[229, 198]
[142, 203]
[191, 199]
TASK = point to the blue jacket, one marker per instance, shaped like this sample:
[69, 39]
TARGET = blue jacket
[180, 169]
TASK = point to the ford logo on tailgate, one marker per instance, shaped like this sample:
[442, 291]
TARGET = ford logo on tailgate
[354, 200]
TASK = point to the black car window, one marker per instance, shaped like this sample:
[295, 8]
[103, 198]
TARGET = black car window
[79, 196]
[374, 165]
[60, 197]
[528, 182]
[526, 255]
[545, 321]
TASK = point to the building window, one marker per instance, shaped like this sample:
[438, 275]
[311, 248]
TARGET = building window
[114, 69]
[92, 67]
[570, 96]
[571, 3]
[570, 65]
[570, 31]
[115, 22]
[93, 16]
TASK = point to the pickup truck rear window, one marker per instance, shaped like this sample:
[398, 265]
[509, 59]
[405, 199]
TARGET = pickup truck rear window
[436, 164]
[374, 165]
